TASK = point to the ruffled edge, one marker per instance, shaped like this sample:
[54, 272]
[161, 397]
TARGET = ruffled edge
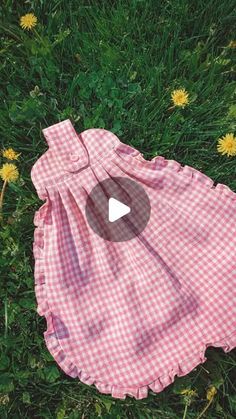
[135, 157]
[199, 176]
[52, 342]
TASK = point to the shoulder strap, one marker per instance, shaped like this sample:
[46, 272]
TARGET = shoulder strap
[64, 141]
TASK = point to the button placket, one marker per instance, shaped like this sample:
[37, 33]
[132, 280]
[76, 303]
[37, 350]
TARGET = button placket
[67, 146]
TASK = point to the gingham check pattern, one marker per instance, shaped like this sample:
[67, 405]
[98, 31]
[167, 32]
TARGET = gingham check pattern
[130, 316]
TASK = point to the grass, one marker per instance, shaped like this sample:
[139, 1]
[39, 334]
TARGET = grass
[113, 65]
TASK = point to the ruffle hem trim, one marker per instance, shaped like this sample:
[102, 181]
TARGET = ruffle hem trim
[191, 172]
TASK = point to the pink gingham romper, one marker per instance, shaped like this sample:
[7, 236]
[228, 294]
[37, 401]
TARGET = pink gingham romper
[130, 316]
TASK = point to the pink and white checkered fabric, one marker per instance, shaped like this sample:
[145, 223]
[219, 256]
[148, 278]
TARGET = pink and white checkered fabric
[129, 316]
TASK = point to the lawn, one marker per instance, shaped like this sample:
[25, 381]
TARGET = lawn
[112, 65]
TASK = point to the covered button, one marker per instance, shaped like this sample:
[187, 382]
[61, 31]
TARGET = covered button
[74, 156]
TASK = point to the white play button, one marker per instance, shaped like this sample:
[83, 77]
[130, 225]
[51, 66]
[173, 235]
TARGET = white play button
[116, 210]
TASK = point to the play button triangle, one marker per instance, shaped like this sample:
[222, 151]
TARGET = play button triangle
[116, 210]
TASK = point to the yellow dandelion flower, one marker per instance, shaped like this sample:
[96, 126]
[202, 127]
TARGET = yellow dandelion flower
[211, 392]
[185, 391]
[180, 97]
[232, 44]
[28, 21]
[188, 392]
[227, 145]
[9, 172]
[4, 399]
[10, 154]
